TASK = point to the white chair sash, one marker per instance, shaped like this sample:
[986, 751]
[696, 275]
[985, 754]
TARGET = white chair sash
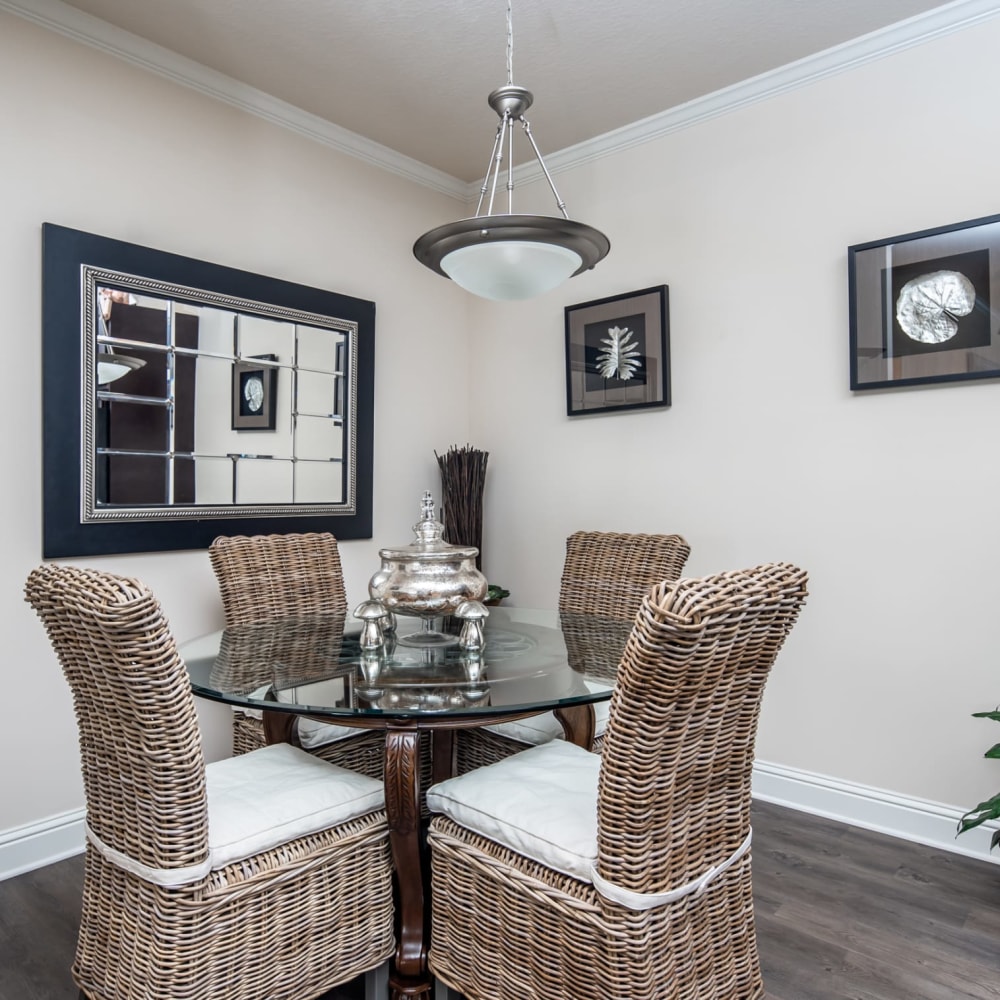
[158, 876]
[648, 900]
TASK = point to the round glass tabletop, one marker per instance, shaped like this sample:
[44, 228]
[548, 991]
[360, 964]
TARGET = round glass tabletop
[531, 661]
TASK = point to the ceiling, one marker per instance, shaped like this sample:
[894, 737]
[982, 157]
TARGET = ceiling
[413, 75]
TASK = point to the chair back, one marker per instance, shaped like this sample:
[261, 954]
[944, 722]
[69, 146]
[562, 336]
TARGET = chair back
[674, 795]
[140, 748]
[276, 576]
[606, 573]
[260, 654]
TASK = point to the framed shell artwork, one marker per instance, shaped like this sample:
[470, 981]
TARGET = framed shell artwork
[923, 306]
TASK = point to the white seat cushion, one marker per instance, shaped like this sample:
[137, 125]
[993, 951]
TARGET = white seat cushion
[540, 729]
[278, 793]
[541, 803]
[311, 733]
[533, 731]
[254, 713]
[314, 734]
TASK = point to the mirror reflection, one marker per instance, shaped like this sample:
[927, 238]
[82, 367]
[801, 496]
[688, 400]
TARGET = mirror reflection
[211, 404]
[184, 399]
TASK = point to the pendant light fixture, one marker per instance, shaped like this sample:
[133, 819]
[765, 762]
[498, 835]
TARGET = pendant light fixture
[503, 255]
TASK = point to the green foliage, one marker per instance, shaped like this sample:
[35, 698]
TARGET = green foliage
[990, 809]
[496, 593]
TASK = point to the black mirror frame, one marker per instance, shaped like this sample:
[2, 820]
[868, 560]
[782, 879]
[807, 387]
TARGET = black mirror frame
[64, 252]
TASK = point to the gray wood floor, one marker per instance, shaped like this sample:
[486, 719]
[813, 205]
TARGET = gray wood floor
[842, 914]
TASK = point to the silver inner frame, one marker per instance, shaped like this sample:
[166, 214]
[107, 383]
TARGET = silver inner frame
[90, 511]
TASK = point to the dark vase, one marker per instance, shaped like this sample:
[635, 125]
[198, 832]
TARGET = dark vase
[463, 482]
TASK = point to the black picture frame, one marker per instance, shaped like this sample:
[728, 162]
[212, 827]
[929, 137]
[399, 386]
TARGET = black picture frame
[618, 352]
[923, 306]
[245, 418]
[66, 253]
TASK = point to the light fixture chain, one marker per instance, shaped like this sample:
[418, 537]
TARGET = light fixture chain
[510, 45]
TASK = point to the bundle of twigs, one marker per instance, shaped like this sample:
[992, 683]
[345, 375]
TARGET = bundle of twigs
[463, 480]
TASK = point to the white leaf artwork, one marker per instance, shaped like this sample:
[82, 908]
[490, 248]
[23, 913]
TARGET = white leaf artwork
[620, 357]
[930, 306]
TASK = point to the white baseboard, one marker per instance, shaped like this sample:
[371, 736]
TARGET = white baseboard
[24, 848]
[916, 820]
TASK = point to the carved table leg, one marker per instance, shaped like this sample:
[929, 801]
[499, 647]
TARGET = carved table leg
[410, 979]
[578, 724]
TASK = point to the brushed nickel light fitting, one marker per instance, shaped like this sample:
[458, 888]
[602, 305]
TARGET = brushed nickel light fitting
[503, 255]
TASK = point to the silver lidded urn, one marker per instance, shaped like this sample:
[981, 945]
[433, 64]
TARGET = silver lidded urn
[428, 578]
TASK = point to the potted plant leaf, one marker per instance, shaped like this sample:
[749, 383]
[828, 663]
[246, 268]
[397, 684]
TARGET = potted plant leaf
[495, 594]
[990, 809]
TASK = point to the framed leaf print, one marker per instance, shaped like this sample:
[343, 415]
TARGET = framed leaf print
[618, 353]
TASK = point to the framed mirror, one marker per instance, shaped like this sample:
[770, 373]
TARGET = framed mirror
[184, 400]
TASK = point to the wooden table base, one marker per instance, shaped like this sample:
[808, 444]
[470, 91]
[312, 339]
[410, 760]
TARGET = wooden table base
[410, 978]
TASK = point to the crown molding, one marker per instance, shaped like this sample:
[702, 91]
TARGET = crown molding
[72, 23]
[914, 31]
[80, 27]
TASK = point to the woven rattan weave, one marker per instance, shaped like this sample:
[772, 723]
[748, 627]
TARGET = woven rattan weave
[263, 577]
[605, 574]
[673, 801]
[290, 922]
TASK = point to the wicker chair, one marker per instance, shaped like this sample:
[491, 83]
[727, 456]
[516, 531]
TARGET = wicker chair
[193, 888]
[558, 873]
[605, 575]
[262, 577]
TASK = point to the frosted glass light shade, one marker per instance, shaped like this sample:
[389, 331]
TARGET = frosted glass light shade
[112, 366]
[510, 269]
[511, 256]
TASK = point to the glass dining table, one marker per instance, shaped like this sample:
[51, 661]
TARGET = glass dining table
[415, 682]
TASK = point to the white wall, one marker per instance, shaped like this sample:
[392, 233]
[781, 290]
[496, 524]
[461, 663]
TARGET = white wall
[889, 499]
[91, 143]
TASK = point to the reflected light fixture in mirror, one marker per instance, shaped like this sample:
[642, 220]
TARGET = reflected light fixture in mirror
[114, 366]
[506, 256]
[110, 365]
